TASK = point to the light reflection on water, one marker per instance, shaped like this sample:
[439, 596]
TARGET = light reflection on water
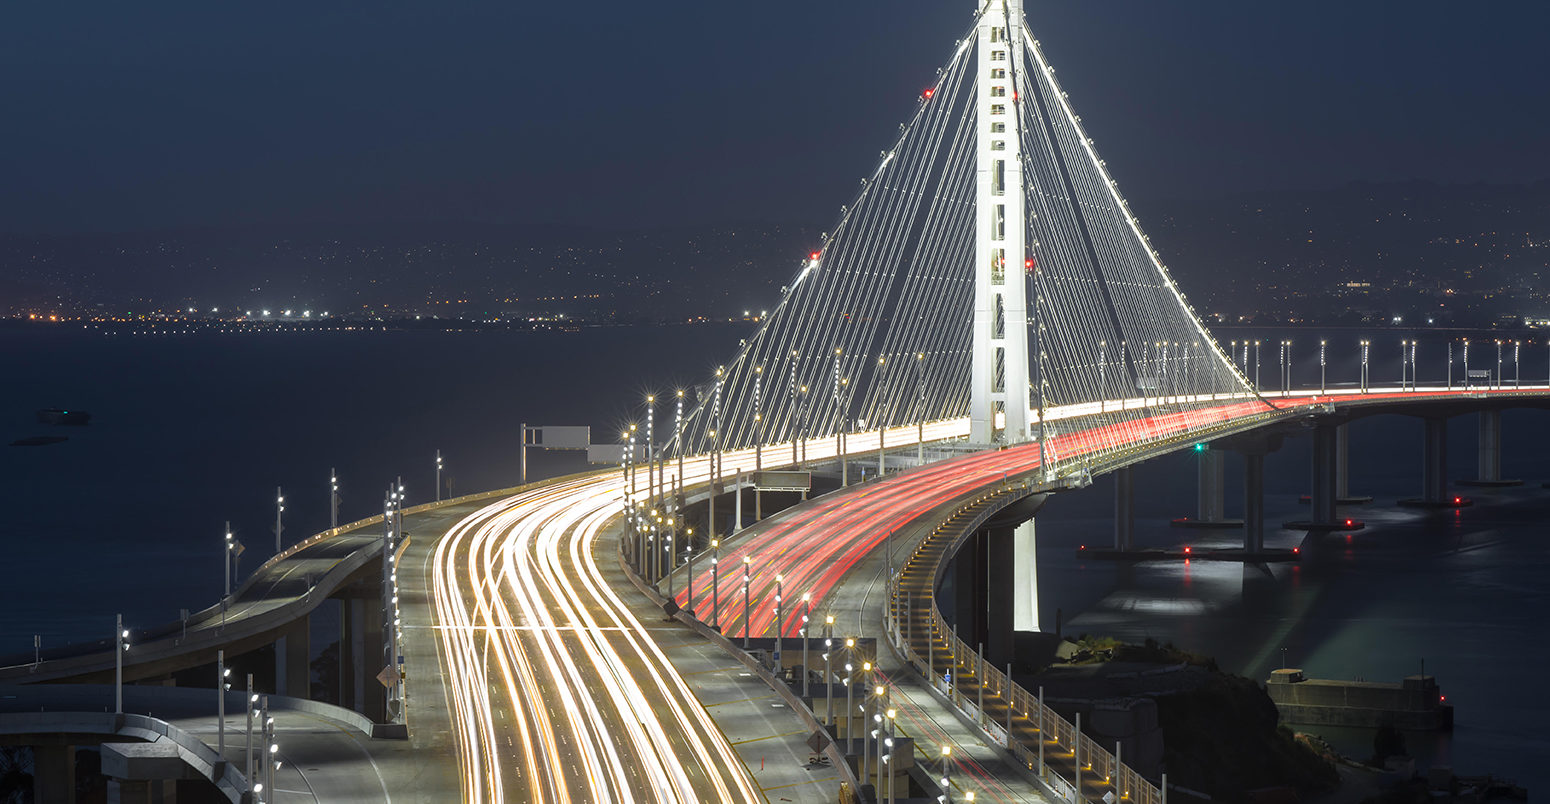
[1464, 591]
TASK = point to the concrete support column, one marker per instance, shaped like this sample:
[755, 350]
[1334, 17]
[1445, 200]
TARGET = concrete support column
[1434, 462]
[53, 774]
[1124, 510]
[1253, 501]
[1326, 471]
[365, 627]
[293, 660]
[1011, 578]
[970, 598]
[1025, 579]
[346, 657]
[128, 791]
[1210, 504]
[1342, 464]
[1490, 446]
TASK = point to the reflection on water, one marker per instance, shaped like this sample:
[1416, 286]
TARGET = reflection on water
[1463, 591]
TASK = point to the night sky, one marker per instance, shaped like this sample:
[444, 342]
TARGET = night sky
[121, 116]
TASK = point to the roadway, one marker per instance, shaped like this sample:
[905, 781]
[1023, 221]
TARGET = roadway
[828, 550]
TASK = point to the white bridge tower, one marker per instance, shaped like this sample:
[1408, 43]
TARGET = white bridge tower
[999, 369]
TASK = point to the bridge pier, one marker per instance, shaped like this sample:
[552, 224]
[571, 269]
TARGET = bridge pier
[1343, 467]
[996, 583]
[361, 649]
[1490, 453]
[1328, 459]
[53, 774]
[1253, 502]
[1434, 469]
[1211, 496]
[293, 660]
[1124, 510]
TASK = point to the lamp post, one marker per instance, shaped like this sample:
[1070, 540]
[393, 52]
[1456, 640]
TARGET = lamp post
[1366, 346]
[1464, 357]
[221, 686]
[747, 584]
[1323, 388]
[333, 499]
[779, 631]
[866, 680]
[678, 435]
[807, 610]
[947, 774]
[672, 547]
[689, 537]
[120, 646]
[231, 545]
[892, 713]
[1256, 366]
[1498, 364]
[715, 585]
[438, 475]
[828, 674]
[279, 525]
[1404, 365]
[651, 474]
[1450, 365]
[850, 668]
[252, 700]
[1285, 382]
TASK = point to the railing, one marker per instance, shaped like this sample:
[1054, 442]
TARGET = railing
[973, 683]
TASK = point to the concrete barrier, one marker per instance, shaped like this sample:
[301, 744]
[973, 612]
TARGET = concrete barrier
[201, 759]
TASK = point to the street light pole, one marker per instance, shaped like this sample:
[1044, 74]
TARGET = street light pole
[220, 702]
[689, 537]
[947, 774]
[120, 645]
[230, 545]
[807, 610]
[850, 672]
[747, 584]
[779, 623]
[892, 713]
[333, 499]
[715, 585]
[828, 671]
[1323, 387]
[279, 525]
[1366, 345]
[247, 771]
[438, 475]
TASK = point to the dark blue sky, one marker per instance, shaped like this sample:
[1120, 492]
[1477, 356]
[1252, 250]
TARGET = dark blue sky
[126, 116]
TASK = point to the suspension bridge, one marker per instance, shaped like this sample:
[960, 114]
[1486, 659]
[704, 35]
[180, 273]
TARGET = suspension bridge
[986, 324]
[987, 301]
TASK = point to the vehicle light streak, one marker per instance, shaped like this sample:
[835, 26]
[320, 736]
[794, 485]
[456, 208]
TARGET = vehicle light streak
[540, 653]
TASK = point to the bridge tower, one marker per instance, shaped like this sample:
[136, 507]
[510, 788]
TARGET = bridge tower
[999, 364]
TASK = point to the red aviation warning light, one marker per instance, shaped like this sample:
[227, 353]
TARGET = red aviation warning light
[813, 256]
[926, 95]
[1028, 263]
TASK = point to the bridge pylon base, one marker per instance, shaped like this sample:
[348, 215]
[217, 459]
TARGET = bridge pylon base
[1451, 502]
[1340, 526]
[1205, 524]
